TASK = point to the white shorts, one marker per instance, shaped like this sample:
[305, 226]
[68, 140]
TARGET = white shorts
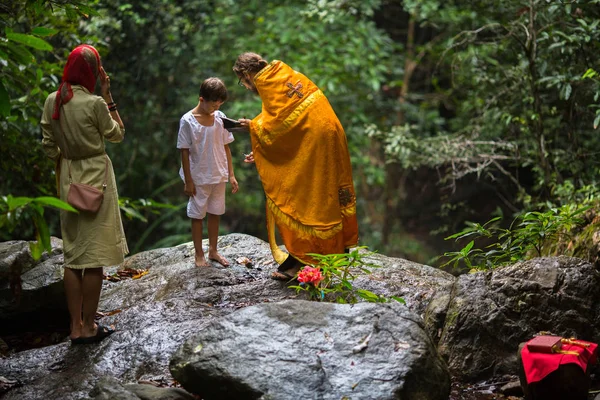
[208, 199]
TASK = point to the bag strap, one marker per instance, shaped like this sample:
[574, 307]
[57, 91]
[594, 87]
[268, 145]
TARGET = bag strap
[69, 161]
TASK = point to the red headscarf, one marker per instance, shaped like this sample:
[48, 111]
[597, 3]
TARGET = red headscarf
[78, 71]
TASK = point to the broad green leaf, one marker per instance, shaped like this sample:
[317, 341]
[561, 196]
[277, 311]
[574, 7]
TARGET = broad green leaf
[16, 202]
[29, 40]
[53, 202]
[597, 121]
[43, 31]
[20, 53]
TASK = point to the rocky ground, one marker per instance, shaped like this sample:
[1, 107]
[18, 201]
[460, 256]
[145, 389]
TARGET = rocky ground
[157, 300]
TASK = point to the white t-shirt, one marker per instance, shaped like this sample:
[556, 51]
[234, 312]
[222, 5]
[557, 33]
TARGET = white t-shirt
[208, 161]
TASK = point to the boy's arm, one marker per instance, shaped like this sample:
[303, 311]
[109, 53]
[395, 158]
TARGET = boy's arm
[189, 188]
[232, 180]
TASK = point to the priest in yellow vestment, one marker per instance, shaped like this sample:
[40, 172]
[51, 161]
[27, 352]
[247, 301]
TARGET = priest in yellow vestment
[301, 154]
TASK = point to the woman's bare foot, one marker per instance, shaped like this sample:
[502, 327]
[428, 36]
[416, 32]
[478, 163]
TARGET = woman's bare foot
[201, 261]
[214, 256]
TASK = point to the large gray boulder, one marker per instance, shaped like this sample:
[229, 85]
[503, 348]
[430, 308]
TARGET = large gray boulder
[309, 350]
[487, 314]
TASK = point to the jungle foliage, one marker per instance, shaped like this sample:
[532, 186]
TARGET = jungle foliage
[454, 110]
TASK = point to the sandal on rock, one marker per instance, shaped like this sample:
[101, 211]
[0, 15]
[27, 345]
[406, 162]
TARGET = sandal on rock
[282, 276]
[101, 333]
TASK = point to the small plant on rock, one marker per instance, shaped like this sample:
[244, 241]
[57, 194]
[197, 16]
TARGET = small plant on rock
[330, 278]
[532, 234]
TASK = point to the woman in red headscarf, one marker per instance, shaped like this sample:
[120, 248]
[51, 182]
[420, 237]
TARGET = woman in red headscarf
[75, 123]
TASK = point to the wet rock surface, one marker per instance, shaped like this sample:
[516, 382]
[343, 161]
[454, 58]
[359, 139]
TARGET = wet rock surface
[153, 316]
[313, 350]
[476, 320]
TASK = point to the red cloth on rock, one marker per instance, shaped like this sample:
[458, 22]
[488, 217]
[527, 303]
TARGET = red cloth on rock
[538, 365]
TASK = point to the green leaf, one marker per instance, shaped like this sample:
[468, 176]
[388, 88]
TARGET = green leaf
[43, 31]
[20, 53]
[597, 121]
[54, 202]
[29, 40]
[468, 246]
[367, 295]
[36, 250]
[566, 91]
[87, 11]
[43, 232]
[16, 202]
[4, 101]
[133, 213]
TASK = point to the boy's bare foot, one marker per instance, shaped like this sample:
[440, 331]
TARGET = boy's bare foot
[218, 258]
[201, 262]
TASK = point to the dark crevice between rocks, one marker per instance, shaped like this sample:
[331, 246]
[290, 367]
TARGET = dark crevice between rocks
[33, 330]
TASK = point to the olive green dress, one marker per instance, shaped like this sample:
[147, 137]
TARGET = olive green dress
[77, 138]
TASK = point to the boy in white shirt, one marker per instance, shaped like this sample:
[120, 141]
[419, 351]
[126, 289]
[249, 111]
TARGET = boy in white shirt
[206, 166]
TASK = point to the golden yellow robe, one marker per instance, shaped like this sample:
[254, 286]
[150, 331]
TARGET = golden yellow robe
[302, 157]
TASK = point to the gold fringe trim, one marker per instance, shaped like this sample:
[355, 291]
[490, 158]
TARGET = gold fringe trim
[302, 230]
[349, 211]
[289, 122]
[278, 254]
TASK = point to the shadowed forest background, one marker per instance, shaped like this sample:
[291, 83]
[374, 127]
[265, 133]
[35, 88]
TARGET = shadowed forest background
[455, 110]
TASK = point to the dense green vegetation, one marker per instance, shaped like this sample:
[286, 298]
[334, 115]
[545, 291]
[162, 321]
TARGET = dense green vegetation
[455, 110]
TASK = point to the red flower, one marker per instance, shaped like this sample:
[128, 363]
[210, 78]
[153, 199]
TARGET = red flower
[310, 275]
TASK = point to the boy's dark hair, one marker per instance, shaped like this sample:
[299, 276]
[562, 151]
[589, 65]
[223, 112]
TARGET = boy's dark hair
[213, 89]
[249, 62]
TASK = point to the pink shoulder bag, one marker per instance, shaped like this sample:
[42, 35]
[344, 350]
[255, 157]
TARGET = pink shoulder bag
[85, 197]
